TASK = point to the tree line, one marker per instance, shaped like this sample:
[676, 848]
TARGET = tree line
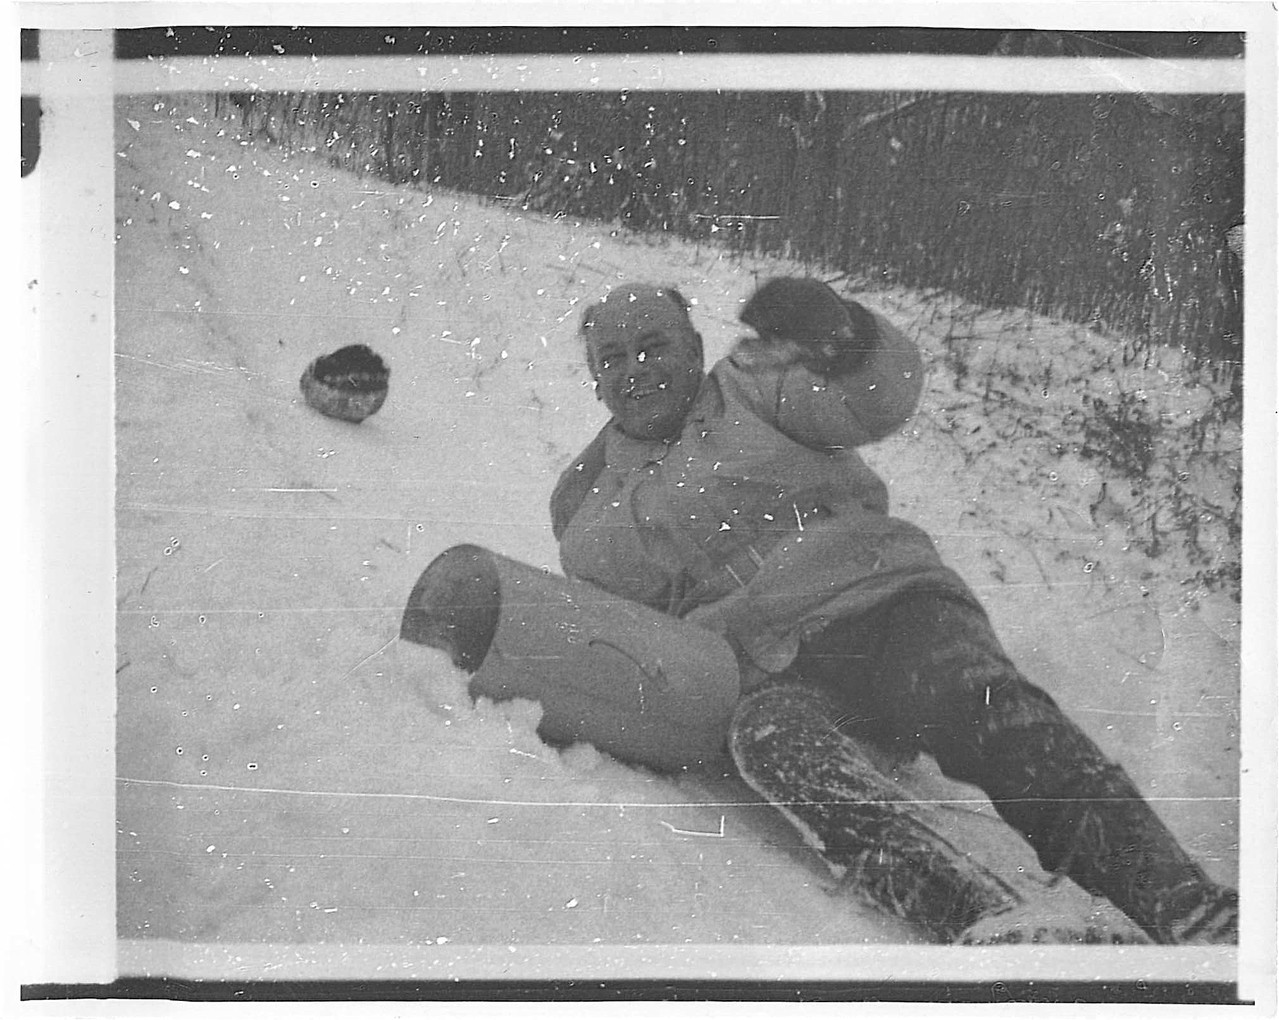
[1121, 210]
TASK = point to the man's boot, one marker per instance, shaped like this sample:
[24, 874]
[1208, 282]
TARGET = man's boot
[875, 840]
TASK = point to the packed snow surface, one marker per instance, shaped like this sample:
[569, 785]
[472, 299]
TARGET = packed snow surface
[289, 773]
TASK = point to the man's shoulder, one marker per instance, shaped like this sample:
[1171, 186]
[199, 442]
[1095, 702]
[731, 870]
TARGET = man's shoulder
[745, 371]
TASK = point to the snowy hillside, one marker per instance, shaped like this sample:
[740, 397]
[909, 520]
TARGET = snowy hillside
[289, 774]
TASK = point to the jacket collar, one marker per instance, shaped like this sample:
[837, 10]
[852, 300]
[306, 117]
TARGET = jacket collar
[626, 452]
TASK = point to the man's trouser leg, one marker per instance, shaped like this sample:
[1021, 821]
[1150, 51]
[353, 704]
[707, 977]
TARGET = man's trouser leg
[929, 670]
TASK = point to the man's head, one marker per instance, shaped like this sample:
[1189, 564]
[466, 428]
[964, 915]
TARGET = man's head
[646, 358]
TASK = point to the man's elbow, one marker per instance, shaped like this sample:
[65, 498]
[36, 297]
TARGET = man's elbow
[888, 395]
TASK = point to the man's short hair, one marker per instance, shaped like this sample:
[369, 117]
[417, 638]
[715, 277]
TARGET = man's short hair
[664, 291]
[676, 298]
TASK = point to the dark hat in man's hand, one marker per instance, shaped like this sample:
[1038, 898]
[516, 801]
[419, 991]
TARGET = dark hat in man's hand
[836, 335]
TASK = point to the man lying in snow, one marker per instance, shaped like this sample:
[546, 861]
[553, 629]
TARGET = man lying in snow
[735, 500]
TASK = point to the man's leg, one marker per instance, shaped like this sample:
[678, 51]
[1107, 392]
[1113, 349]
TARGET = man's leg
[940, 678]
[873, 838]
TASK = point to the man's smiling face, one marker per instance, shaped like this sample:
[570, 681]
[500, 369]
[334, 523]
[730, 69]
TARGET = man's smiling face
[646, 358]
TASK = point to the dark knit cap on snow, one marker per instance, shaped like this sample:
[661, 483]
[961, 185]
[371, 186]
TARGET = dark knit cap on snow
[350, 384]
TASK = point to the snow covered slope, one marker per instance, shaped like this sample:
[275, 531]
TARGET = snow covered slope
[289, 774]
